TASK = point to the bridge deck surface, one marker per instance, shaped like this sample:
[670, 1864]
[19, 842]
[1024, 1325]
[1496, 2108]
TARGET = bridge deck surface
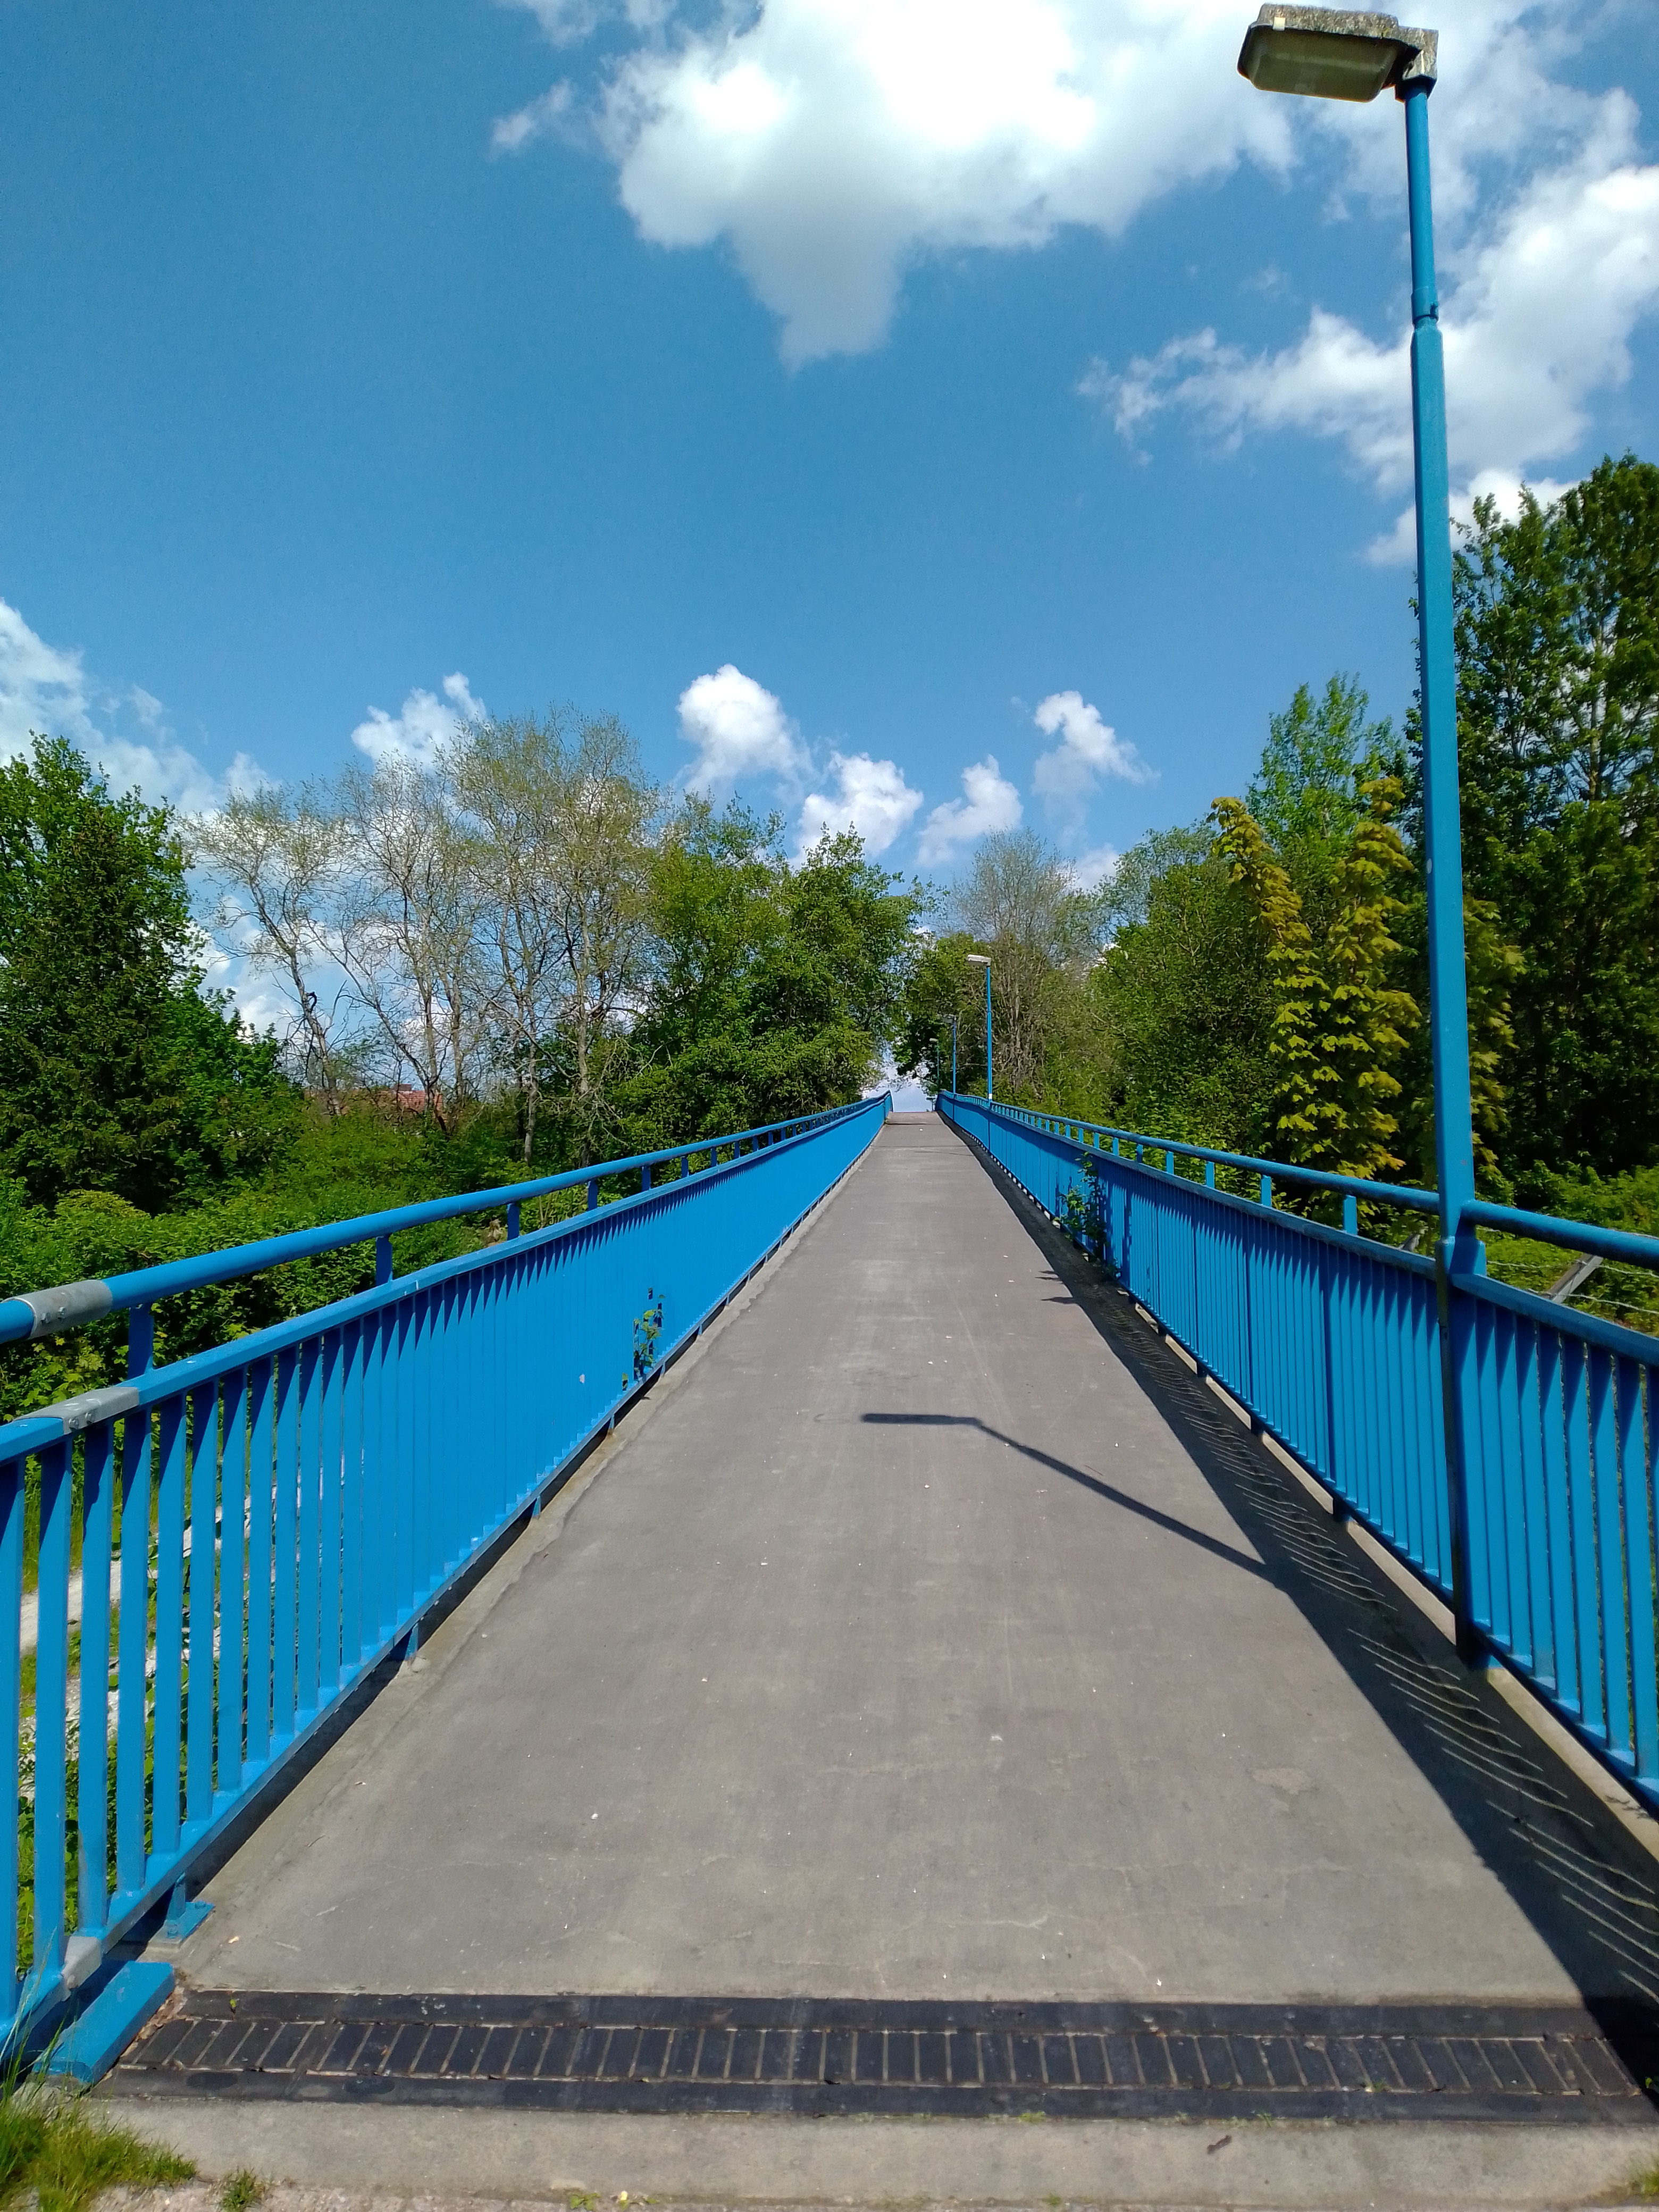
[932, 1632]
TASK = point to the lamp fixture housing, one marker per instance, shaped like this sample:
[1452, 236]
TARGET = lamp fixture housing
[1334, 54]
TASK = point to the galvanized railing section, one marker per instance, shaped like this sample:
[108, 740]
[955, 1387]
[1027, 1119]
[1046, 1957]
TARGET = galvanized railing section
[1331, 1340]
[261, 1525]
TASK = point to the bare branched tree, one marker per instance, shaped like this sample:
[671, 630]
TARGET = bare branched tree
[607, 820]
[1018, 900]
[408, 925]
[276, 859]
[482, 917]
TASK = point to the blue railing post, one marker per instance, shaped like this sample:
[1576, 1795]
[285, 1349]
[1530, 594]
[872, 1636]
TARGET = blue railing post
[141, 1342]
[1448, 1032]
[12, 1510]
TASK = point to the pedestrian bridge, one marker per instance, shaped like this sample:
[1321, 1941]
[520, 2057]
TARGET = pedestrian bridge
[953, 1613]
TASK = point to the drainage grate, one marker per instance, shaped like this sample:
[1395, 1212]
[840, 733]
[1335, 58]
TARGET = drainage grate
[811, 2056]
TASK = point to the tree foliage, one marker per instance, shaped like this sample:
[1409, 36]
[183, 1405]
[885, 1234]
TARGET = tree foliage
[771, 989]
[1338, 1022]
[1306, 794]
[116, 1072]
[1557, 645]
[1182, 997]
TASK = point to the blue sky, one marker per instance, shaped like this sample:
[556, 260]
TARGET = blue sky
[856, 396]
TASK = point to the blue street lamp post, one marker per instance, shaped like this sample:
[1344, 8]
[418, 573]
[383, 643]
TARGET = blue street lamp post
[982, 960]
[953, 1055]
[1340, 53]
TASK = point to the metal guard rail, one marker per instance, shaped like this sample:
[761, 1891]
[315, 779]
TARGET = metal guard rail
[292, 1503]
[72, 1305]
[1331, 1341]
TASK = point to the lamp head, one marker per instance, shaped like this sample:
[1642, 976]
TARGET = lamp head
[1336, 53]
[977, 959]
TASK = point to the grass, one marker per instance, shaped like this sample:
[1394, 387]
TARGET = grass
[55, 2141]
[1629, 1295]
[242, 2191]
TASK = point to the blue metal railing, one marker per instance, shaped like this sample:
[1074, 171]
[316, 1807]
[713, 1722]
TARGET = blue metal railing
[261, 1525]
[1331, 1340]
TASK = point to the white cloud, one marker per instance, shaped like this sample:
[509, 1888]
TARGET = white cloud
[1090, 870]
[563, 22]
[1500, 107]
[1397, 548]
[990, 804]
[46, 688]
[1088, 749]
[426, 724]
[1538, 320]
[831, 141]
[871, 796]
[539, 118]
[740, 729]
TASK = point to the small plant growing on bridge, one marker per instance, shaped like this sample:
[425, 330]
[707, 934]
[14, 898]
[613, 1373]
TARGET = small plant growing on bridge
[647, 1332]
[242, 2191]
[1086, 1210]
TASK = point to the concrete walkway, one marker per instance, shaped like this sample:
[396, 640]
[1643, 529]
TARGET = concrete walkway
[933, 1631]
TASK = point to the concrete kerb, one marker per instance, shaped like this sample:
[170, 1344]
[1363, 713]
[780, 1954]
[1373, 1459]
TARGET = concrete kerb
[1267, 2167]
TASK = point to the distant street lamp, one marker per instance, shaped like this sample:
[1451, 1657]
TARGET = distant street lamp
[953, 1055]
[982, 960]
[1343, 53]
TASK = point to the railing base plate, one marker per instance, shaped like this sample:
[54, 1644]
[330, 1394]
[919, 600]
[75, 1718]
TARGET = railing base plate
[92, 2042]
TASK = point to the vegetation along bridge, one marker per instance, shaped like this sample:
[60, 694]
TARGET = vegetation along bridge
[951, 1692]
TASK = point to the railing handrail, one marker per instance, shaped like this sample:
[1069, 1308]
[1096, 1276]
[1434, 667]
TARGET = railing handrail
[1581, 1236]
[67, 1306]
[1626, 1244]
[50, 1424]
[1389, 1194]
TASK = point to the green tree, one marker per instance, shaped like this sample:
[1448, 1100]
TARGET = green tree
[1304, 794]
[1338, 1021]
[773, 987]
[1018, 902]
[1174, 1009]
[116, 1073]
[942, 988]
[1557, 644]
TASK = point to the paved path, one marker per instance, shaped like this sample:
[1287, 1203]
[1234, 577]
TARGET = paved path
[933, 1631]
